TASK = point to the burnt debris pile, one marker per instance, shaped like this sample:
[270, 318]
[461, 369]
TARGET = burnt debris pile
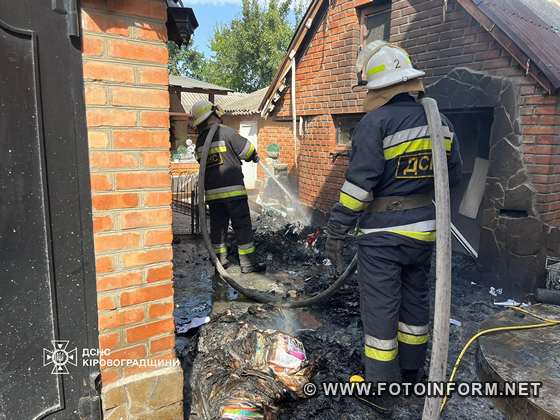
[224, 371]
[243, 371]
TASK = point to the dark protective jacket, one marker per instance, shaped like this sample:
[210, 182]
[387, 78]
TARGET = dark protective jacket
[224, 178]
[391, 156]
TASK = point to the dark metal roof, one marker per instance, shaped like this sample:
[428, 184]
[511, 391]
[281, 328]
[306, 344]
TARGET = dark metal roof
[534, 26]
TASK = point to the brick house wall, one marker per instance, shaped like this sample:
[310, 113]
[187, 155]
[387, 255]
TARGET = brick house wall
[127, 102]
[280, 133]
[325, 77]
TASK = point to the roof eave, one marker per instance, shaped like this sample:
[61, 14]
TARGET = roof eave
[178, 88]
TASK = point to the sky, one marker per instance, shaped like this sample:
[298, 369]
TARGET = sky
[209, 14]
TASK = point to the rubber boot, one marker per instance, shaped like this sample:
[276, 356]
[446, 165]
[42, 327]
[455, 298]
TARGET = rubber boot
[413, 376]
[382, 404]
[250, 264]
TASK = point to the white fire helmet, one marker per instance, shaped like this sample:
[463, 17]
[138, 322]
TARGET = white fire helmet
[201, 111]
[386, 65]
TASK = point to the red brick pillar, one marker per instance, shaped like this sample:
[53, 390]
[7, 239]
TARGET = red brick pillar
[127, 101]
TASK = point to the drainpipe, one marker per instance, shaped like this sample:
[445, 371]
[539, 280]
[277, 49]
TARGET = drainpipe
[293, 95]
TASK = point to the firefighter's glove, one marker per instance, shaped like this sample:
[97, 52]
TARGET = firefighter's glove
[333, 249]
[255, 158]
[335, 244]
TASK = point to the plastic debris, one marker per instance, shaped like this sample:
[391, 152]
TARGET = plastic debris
[495, 292]
[455, 322]
[511, 302]
[193, 323]
[311, 239]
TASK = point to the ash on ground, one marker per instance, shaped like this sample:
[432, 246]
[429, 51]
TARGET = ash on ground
[331, 332]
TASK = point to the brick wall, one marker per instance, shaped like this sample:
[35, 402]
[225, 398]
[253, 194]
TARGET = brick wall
[541, 147]
[325, 77]
[177, 168]
[278, 132]
[126, 86]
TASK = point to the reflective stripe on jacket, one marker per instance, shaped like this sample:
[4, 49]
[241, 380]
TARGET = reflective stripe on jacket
[224, 177]
[224, 193]
[391, 156]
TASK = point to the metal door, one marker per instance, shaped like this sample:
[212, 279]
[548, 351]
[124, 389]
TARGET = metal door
[248, 129]
[47, 279]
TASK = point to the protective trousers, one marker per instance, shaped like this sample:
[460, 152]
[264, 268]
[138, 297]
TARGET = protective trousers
[237, 211]
[394, 302]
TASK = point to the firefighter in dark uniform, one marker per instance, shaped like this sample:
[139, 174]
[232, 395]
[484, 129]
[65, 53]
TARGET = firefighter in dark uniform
[225, 190]
[387, 198]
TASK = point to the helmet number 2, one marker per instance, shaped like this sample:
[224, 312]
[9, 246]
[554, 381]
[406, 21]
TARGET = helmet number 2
[397, 63]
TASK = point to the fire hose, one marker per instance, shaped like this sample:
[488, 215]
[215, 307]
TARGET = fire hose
[442, 305]
[256, 295]
[442, 302]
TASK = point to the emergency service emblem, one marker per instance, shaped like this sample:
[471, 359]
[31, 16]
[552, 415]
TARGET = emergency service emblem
[59, 357]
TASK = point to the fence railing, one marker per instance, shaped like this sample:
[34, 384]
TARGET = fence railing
[184, 188]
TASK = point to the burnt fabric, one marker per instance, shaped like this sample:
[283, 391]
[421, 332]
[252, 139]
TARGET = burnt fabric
[394, 303]
[224, 177]
[236, 211]
[391, 156]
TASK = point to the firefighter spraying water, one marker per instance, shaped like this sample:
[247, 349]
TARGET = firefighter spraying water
[225, 193]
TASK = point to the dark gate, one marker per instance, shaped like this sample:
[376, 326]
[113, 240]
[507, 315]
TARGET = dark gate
[184, 187]
[47, 279]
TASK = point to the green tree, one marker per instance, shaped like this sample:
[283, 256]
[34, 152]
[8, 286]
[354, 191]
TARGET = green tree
[248, 51]
[300, 6]
[186, 61]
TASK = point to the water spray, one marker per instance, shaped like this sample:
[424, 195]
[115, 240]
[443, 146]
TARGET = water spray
[286, 191]
[276, 180]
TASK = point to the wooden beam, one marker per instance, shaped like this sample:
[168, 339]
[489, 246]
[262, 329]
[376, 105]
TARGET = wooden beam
[199, 90]
[179, 115]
